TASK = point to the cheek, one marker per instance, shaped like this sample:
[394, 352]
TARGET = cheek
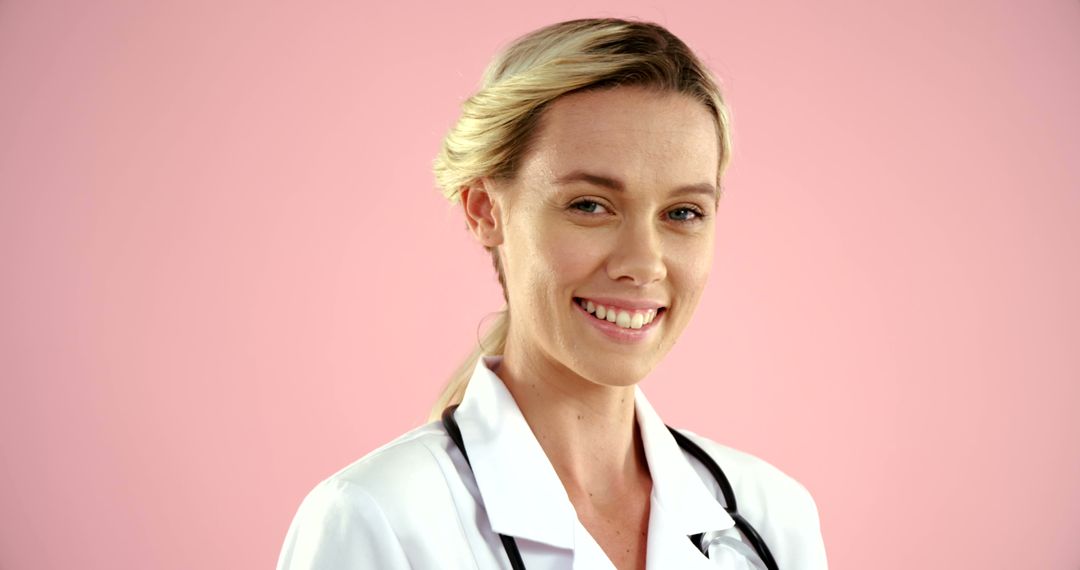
[565, 257]
[548, 258]
[690, 266]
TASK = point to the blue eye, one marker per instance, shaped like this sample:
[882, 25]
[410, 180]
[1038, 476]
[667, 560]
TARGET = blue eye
[587, 206]
[686, 214]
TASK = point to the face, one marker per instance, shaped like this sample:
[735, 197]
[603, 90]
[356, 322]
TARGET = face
[610, 214]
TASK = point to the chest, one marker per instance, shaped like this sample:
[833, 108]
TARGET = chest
[621, 531]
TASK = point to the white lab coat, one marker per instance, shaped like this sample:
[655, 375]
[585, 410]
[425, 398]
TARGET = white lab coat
[414, 503]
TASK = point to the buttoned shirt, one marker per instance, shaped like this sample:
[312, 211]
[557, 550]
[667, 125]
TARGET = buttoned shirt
[415, 503]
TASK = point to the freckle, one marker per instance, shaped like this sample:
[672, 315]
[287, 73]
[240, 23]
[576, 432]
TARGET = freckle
[580, 417]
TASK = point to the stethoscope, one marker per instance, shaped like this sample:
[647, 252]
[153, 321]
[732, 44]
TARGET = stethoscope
[690, 447]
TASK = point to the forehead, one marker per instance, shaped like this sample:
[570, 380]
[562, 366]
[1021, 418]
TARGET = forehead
[637, 135]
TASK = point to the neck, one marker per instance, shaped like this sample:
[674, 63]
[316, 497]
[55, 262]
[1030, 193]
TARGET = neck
[587, 430]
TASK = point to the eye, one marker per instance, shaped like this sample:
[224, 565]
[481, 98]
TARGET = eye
[686, 214]
[589, 206]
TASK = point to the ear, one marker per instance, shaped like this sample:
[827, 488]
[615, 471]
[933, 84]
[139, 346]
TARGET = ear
[482, 213]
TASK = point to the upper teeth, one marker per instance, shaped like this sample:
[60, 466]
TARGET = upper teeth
[621, 317]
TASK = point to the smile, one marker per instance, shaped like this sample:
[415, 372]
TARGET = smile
[620, 317]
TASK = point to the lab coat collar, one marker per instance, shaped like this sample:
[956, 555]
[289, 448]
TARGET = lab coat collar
[522, 493]
[677, 488]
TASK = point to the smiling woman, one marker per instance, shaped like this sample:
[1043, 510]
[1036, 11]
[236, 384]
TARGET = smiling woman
[600, 212]
[589, 166]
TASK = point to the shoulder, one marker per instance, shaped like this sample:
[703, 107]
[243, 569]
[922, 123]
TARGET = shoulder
[407, 477]
[411, 461]
[365, 513]
[779, 507]
[753, 478]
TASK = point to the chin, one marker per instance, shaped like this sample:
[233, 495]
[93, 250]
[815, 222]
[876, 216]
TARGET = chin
[607, 372]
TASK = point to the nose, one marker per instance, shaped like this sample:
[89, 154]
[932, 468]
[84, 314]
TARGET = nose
[638, 254]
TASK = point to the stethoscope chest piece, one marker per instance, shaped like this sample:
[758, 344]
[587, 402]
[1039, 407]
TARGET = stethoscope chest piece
[730, 552]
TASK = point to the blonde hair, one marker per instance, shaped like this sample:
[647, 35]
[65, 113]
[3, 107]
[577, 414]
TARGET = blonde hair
[498, 122]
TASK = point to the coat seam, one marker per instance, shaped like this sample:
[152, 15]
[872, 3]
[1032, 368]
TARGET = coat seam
[383, 517]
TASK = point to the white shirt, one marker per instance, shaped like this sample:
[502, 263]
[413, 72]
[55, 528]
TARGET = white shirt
[415, 503]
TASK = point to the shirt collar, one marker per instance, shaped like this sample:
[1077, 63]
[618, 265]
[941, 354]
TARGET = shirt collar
[522, 493]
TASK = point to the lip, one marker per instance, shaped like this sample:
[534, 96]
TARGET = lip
[615, 332]
[634, 304]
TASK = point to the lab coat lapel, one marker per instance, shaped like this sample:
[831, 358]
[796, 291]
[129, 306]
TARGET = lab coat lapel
[522, 494]
[668, 547]
[682, 504]
[524, 498]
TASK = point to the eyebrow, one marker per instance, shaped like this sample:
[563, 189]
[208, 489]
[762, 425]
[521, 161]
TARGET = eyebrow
[617, 185]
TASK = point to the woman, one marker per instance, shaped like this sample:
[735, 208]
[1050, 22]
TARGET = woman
[589, 166]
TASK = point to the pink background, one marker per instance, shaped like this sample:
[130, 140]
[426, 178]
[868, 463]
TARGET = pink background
[226, 272]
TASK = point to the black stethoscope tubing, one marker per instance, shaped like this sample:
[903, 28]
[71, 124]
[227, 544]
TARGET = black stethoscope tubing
[684, 442]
